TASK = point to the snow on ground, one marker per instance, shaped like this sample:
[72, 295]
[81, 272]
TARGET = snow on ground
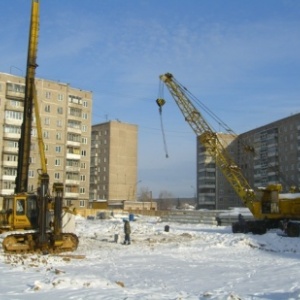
[188, 262]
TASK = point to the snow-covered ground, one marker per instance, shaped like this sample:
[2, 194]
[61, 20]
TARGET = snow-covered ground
[188, 262]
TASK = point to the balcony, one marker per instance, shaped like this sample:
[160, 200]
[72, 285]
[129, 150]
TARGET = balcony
[13, 122]
[7, 191]
[9, 178]
[73, 156]
[7, 163]
[72, 195]
[74, 144]
[14, 95]
[11, 136]
[74, 130]
[72, 169]
[8, 106]
[72, 182]
[11, 150]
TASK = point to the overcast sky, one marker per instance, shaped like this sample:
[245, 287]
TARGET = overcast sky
[240, 58]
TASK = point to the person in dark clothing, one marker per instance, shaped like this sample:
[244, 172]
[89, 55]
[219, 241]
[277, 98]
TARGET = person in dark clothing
[127, 232]
[242, 224]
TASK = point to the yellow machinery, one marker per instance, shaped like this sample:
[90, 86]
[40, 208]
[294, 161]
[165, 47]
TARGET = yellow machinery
[28, 211]
[268, 206]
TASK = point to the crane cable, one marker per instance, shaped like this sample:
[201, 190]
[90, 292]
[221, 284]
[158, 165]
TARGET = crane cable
[160, 102]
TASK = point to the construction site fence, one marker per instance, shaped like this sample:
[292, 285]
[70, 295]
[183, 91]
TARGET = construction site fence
[211, 217]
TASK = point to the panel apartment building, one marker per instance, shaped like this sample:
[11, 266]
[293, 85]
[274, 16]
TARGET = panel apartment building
[213, 190]
[266, 155]
[114, 162]
[65, 114]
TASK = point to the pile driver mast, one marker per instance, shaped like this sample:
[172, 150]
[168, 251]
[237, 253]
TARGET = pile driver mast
[30, 211]
[25, 140]
[267, 205]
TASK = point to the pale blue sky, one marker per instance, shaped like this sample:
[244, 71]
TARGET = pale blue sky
[240, 57]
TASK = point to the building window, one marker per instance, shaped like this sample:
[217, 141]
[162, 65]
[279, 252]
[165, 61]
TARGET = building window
[75, 112]
[75, 99]
[16, 103]
[10, 171]
[60, 97]
[83, 152]
[47, 108]
[84, 116]
[82, 177]
[56, 175]
[32, 160]
[33, 132]
[74, 124]
[60, 110]
[83, 165]
[57, 149]
[46, 135]
[48, 95]
[84, 129]
[14, 87]
[58, 136]
[12, 129]
[47, 121]
[85, 104]
[59, 123]
[82, 190]
[12, 144]
[84, 140]
[72, 163]
[31, 173]
[15, 115]
[82, 203]
[57, 162]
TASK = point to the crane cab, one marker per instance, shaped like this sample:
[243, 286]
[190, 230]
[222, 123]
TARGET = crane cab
[19, 212]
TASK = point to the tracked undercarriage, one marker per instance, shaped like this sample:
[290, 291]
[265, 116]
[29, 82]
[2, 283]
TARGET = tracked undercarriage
[30, 242]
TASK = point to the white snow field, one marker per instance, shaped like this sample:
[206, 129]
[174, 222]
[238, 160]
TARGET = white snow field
[188, 262]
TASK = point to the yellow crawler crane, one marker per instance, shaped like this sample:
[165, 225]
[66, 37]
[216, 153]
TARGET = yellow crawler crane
[36, 219]
[270, 208]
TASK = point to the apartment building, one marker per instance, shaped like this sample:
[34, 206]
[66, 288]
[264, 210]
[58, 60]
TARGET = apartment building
[65, 114]
[213, 189]
[268, 154]
[114, 162]
[275, 155]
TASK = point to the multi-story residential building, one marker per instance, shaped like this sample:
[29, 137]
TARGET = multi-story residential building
[65, 114]
[275, 155]
[213, 189]
[114, 162]
[266, 155]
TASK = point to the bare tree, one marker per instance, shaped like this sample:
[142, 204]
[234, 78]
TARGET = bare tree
[165, 201]
[145, 194]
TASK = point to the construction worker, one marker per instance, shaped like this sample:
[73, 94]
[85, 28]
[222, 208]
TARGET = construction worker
[127, 232]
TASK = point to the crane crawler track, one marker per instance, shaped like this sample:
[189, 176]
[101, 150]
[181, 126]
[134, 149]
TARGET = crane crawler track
[28, 243]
